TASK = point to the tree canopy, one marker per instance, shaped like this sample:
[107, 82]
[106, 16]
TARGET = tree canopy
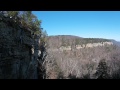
[26, 18]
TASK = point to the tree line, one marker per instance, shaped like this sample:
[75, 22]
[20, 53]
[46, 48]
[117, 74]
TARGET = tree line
[26, 18]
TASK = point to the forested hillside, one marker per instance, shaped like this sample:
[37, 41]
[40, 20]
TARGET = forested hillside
[95, 59]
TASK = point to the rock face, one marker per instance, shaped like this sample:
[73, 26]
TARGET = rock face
[18, 52]
[88, 45]
[67, 42]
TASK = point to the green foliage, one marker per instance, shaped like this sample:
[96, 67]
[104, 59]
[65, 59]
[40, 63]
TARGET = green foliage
[43, 38]
[31, 21]
[27, 19]
[93, 40]
[13, 13]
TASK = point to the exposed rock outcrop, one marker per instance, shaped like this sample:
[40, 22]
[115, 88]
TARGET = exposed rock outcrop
[18, 51]
[88, 45]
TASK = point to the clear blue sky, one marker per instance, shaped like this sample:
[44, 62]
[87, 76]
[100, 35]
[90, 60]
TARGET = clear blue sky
[93, 24]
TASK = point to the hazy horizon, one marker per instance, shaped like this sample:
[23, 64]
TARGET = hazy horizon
[86, 24]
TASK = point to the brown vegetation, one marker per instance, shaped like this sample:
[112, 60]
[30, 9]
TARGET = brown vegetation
[84, 63]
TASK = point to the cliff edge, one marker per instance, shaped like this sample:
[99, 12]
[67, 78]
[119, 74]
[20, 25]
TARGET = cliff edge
[18, 51]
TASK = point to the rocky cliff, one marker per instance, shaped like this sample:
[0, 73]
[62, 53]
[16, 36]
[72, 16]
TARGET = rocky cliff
[61, 43]
[18, 51]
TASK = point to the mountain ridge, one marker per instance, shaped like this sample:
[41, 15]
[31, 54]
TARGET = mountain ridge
[78, 37]
[116, 42]
[71, 40]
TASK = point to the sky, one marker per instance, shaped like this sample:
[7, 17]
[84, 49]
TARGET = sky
[87, 24]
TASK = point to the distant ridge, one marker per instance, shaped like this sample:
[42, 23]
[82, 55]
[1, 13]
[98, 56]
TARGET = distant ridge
[65, 36]
[57, 41]
[74, 37]
[116, 42]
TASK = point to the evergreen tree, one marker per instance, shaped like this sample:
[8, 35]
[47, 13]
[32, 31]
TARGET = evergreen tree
[13, 14]
[25, 18]
[101, 72]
